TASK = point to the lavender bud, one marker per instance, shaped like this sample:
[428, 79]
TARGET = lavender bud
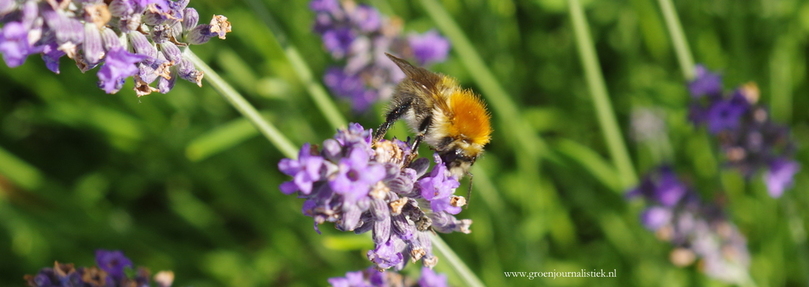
[171, 52]
[141, 45]
[153, 19]
[199, 35]
[93, 49]
[175, 29]
[165, 85]
[188, 72]
[121, 8]
[191, 19]
[382, 229]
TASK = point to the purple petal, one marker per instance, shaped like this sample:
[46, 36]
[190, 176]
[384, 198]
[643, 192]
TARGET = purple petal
[779, 177]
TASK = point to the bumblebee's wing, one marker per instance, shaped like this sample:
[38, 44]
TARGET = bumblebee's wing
[428, 80]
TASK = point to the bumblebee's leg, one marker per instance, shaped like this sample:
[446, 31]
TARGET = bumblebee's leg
[390, 118]
[425, 124]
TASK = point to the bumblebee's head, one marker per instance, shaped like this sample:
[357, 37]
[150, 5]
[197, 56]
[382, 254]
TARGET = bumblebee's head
[458, 161]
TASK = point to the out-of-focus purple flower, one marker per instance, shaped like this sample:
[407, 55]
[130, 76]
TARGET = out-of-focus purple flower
[118, 65]
[662, 187]
[696, 229]
[431, 279]
[352, 279]
[360, 36]
[705, 83]
[110, 272]
[364, 186]
[366, 18]
[656, 217]
[113, 262]
[749, 139]
[338, 41]
[726, 114]
[327, 6]
[371, 277]
[429, 47]
[88, 32]
[779, 176]
[351, 87]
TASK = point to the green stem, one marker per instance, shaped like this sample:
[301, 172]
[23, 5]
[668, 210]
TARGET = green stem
[598, 92]
[466, 275]
[319, 95]
[678, 39]
[245, 108]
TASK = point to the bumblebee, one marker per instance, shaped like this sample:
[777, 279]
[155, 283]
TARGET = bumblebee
[454, 121]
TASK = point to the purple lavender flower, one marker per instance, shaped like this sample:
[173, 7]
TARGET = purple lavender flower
[656, 217]
[438, 188]
[371, 277]
[431, 279]
[110, 272]
[327, 6]
[705, 83]
[349, 86]
[339, 41]
[726, 114]
[113, 262]
[749, 139]
[429, 47]
[696, 229]
[360, 36]
[364, 186]
[14, 44]
[306, 170]
[118, 65]
[88, 32]
[779, 177]
[366, 18]
[355, 176]
[385, 255]
[352, 279]
[662, 187]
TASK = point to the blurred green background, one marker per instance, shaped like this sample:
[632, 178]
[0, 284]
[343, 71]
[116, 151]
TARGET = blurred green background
[182, 182]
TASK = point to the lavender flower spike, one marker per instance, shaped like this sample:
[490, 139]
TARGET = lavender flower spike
[91, 33]
[109, 272]
[364, 186]
[696, 229]
[750, 141]
[371, 277]
[358, 36]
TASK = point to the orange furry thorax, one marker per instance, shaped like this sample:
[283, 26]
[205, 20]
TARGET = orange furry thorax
[469, 119]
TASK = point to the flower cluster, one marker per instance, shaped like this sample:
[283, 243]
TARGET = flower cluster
[363, 186]
[360, 35]
[372, 277]
[140, 38]
[747, 136]
[110, 272]
[696, 229]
